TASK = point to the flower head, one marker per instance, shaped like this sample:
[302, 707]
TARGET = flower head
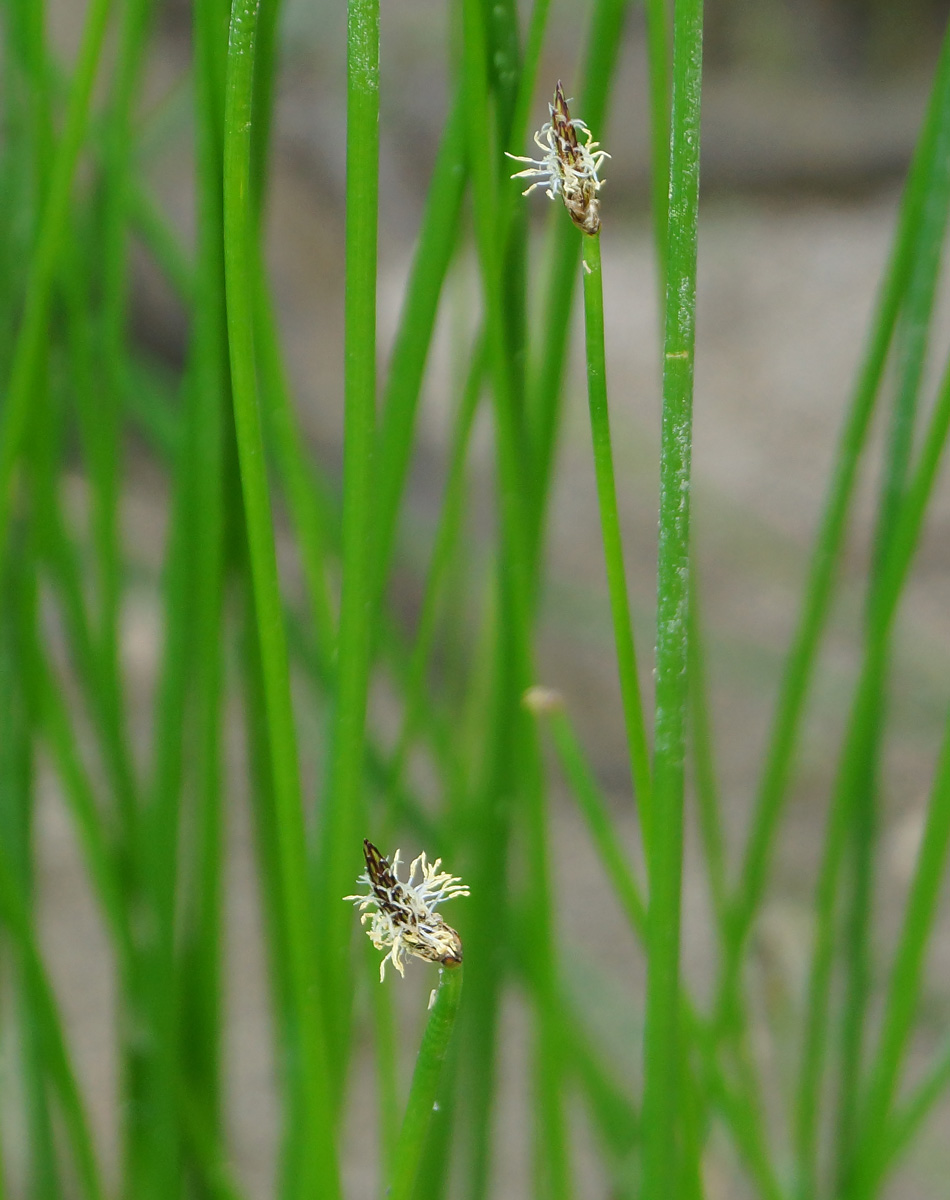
[404, 917]
[568, 168]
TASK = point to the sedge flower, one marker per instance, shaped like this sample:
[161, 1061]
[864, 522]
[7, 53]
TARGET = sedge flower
[568, 167]
[403, 917]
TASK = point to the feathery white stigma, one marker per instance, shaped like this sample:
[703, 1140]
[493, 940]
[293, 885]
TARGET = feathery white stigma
[404, 917]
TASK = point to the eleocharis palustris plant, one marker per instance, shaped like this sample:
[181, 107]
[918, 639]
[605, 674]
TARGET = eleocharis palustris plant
[570, 168]
[403, 921]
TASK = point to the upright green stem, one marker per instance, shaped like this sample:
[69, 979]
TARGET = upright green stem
[318, 1173]
[545, 390]
[658, 60]
[512, 762]
[610, 529]
[665, 853]
[425, 1084]
[208, 418]
[344, 806]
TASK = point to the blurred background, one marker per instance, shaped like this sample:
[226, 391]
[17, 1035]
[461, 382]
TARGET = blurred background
[811, 110]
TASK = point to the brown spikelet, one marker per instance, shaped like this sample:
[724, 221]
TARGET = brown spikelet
[580, 192]
[567, 168]
[402, 915]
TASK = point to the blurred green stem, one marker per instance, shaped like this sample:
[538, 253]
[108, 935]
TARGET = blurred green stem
[31, 339]
[310, 1100]
[425, 1083]
[344, 805]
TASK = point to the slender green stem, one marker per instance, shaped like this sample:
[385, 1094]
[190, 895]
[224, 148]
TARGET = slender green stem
[553, 1169]
[545, 391]
[599, 824]
[610, 530]
[162, 240]
[103, 432]
[17, 831]
[201, 966]
[906, 1121]
[344, 806]
[308, 503]
[437, 238]
[99, 679]
[313, 1104]
[15, 916]
[213, 1168]
[446, 540]
[658, 60]
[31, 340]
[425, 1083]
[740, 1107]
[385, 1044]
[904, 989]
[53, 721]
[661, 1169]
[512, 764]
[707, 789]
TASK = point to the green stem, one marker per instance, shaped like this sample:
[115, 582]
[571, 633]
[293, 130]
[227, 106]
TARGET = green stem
[708, 803]
[545, 393]
[207, 416]
[31, 340]
[16, 917]
[425, 1083]
[437, 237]
[905, 1124]
[344, 803]
[904, 990]
[446, 543]
[313, 1104]
[600, 826]
[610, 529]
[665, 852]
[743, 1115]
[658, 60]
[508, 741]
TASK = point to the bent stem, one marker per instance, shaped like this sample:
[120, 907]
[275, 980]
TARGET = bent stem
[425, 1083]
